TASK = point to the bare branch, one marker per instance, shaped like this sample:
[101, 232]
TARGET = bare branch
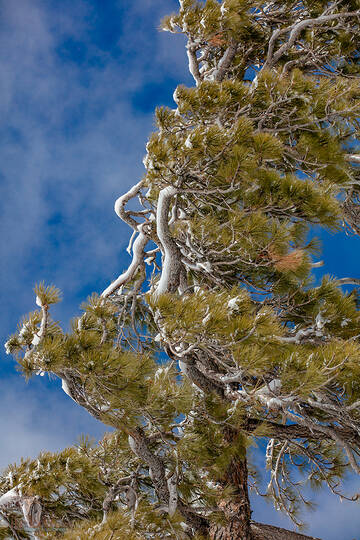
[191, 49]
[353, 158]
[138, 259]
[225, 62]
[348, 281]
[295, 30]
[120, 203]
[171, 267]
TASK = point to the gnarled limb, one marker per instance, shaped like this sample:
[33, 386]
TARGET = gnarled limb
[137, 261]
[261, 531]
[120, 203]
[191, 49]
[140, 446]
[295, 31]
[225, 62]
[352, 158]
[171, 267]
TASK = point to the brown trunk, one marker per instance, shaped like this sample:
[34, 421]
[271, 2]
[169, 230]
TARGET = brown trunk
[269, 532]
[237, 510]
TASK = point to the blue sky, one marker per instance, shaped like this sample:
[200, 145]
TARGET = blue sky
[79, 83]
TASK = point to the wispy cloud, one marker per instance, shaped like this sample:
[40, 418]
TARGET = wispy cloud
[330, 520]
[38, 417]
[71, 140]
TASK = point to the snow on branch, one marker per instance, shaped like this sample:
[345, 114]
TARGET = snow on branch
[44, 322]
[171, 268]
[352, 158]
[10, 497]
[137, 260]
[193, 62]
[120, 203]
[348, 281]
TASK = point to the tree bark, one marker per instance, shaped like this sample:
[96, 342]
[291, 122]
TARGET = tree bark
[269, 532]
[237, 511]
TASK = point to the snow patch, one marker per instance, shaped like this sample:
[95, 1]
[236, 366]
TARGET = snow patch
[24, 329]
[205, 266]
[320, 321]
[188, 143]
[183, 367]
[148, 163]
[274, 385]
[176, 96]
[104, 408]
[274, 403]
[233, 303]
[9, 497]
[212, 485]
[132, 444]
[159, 372]
[65, 387]
[35, 340]
[266, 394]
[10, 478]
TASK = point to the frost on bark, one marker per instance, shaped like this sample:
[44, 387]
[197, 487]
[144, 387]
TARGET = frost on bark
[220, 287]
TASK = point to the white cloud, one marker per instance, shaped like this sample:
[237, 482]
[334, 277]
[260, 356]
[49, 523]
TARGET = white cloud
[70, 143]
[34, 419]
[331, 519]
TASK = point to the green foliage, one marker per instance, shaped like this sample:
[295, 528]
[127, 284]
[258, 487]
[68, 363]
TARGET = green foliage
[47, 295]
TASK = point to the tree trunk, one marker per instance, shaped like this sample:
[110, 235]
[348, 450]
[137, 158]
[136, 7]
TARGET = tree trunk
[237, 510]
[261, 531]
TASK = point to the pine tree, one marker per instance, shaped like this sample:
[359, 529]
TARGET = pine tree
[216, 337]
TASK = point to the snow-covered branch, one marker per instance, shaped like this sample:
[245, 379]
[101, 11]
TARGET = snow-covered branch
[171, 266]
[193, 61]
[348, 281]
[44, 322]
[120, 203]
[137, 261]
[10, 497]
[352, 158]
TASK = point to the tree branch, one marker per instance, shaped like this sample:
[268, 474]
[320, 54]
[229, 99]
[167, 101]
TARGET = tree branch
[137, 260]
[348, 281]
[120, 203]
[225, 62]
[171, 267]
[353, 158]
[193, 61]
[295, 30]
